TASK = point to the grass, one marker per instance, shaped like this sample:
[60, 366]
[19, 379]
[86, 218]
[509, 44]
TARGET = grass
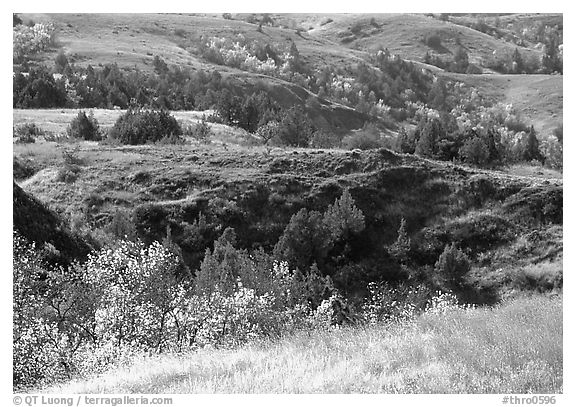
[512, 348]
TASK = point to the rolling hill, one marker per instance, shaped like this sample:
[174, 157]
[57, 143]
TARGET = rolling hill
[218, 245]
[323, 40]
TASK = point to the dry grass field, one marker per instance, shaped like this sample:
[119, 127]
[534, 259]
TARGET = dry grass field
[512, 348]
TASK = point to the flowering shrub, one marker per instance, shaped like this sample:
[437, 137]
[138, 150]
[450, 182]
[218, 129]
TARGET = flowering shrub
[393, 304]
[31, 40]
[443, 302]
[243, 55]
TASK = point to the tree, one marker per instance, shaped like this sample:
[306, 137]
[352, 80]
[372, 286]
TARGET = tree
[517, 61]
[305, 241]
[310, 235]
[405, 143]
[474, 151]
[430, 134]
[296, 129]
[140, 126]
[452, 266]
[437, 95]
[531, 149]
[16, 20]
[84, 127]
[343, 218]
[160, 66]
[401, 246]
[61, 62]
[460, 60]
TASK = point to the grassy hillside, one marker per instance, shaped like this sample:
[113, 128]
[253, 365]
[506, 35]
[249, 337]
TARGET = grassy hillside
[513, 348]
[538, 98]
[404, 35]
[336, 40]
[256, 190]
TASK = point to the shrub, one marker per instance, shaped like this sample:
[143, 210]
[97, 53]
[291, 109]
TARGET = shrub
[295, 128]
[474, 151]
[433, 41]
[171, 139]
[84, 127]
[268, 131]
[140, 126]
[28, 130]
[363, 140]
[324, 139]
[387, 303]
[23, 168]
[553, 153]
[68, 173]
[201, 131]
[452, 266]
[310, 235]
[61, 62]
[558, 132]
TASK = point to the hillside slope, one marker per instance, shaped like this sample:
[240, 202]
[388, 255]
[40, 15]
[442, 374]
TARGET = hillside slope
[256, 192]
[336, 40]
[38, 224]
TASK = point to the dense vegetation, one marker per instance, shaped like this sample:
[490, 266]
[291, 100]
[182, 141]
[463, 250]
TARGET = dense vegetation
[174, 248]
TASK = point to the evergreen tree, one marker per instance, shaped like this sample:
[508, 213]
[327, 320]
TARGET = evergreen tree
[460, 60]
[532, 147]
[452, 266]
[401, 246]
[427, 145]
[517, 61]
[343, 217]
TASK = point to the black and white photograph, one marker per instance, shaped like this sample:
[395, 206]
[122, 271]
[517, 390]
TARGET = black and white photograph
[294, 203]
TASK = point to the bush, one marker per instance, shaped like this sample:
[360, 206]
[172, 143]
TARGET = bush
[310, 235]
[28, 130]
[362, 140]
[84, 127]
[433, 41]
[68, 173]
[141, 126]
[474, 151]
[295, 128]
[201, 131]
[452, 266]
[324, 139]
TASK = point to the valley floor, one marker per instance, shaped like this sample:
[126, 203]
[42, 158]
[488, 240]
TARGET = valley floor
[515, 347]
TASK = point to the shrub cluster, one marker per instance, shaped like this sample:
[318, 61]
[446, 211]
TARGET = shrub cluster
[141, 126]
[84, 127]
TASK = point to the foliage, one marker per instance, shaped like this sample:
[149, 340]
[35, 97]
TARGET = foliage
[324, 139]
[433, 40]
[553, 153]
[295, 128]
[310, 235]
[201, 131]
[84, 127]
[61, 62]
[28, 132]
[27, 41]
[532, 147]
[474, 151]
[140, 126]
[38, 89]
[386, 303]
[366, 139]
[452, 266]
[401, 247]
